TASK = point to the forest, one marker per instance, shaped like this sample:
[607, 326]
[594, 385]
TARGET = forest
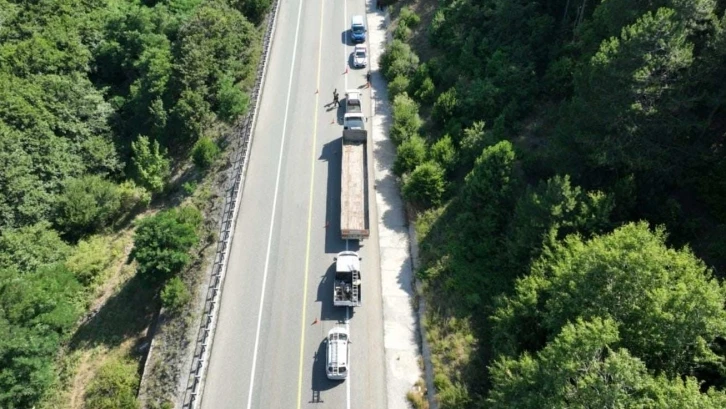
[111, 113]
[563, 162]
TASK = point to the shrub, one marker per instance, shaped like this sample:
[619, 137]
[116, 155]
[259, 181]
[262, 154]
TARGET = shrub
[398, 86]
[232, 101]
[408, 17]
[443, 152]
[402, 32]
[150, 164]
[398, 59]
[162, 242]
[410, 154]
[90, 258]
[132, 196]
[86, 205]
[205, 152]
[406, 121]
[175, 295]
[114, 386]
[189, 187]
[425, 185]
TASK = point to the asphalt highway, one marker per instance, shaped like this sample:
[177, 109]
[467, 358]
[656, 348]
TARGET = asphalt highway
[276, 306]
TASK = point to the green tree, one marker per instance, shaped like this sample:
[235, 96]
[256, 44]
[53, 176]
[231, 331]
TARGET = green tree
[444, 153]
[191, 115]
[666, 303]
[86, 205]
[398, 59]
[406, 120]
[232, 101]
[549, 212]
[626, 105]
[475, 139]
[162, 242]
[488, 187]
[425, 186]
[410, 154]
[150, 164]
[398, 86]
[425, 92]
[37, 310]
[444, 109]
[217, 47]
[583, 368]
[114, 386]
[27, 248]
[254, 10]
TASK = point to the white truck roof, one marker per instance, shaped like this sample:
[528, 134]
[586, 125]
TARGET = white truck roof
[347, 261]
[357, 21]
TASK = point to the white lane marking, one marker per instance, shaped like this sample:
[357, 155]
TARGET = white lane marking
[274, 209]
[350, 378]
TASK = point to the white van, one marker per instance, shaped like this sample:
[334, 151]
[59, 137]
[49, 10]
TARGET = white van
[338, 354]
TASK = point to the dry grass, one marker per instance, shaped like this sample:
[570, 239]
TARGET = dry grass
[116, 322]
[417, 395]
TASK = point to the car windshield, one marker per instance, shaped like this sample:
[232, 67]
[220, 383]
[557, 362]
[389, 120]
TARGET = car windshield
[357, 29]
[360, 54]
[355, 123]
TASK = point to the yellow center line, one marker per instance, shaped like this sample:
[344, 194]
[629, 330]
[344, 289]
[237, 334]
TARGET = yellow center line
[303, 323]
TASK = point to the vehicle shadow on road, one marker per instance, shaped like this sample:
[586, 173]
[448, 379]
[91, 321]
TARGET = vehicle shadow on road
[321, 383]
[345, 37]
[332, 154]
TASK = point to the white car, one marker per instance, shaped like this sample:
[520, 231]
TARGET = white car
[360, 56]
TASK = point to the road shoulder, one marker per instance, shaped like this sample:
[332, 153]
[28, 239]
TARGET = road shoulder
[400, 324]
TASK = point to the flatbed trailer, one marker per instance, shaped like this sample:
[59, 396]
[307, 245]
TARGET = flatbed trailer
[354, 186]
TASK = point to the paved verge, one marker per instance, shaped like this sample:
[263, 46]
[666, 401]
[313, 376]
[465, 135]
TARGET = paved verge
[399, 320]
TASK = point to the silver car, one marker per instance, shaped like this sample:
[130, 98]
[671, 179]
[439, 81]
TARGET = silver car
[360, 56]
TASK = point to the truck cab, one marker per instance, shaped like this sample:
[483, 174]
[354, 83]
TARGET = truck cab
[357, 29]
[338, 353]
[353, 118]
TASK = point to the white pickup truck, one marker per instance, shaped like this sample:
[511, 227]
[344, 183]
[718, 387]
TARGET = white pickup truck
[347, 283]
[353, 118]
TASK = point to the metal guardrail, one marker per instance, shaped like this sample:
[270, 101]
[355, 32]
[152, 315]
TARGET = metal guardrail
[203, 342]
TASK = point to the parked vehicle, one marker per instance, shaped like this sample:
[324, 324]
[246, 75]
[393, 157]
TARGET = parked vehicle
[338, 354]
[360, 56]
[357, 29]
[347, 283]
[353, 118]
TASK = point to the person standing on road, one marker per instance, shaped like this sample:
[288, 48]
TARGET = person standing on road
[335, 97]
[368, 79]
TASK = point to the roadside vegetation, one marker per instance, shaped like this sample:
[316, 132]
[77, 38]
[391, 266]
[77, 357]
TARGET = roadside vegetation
[564, 165]
[112, 124]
